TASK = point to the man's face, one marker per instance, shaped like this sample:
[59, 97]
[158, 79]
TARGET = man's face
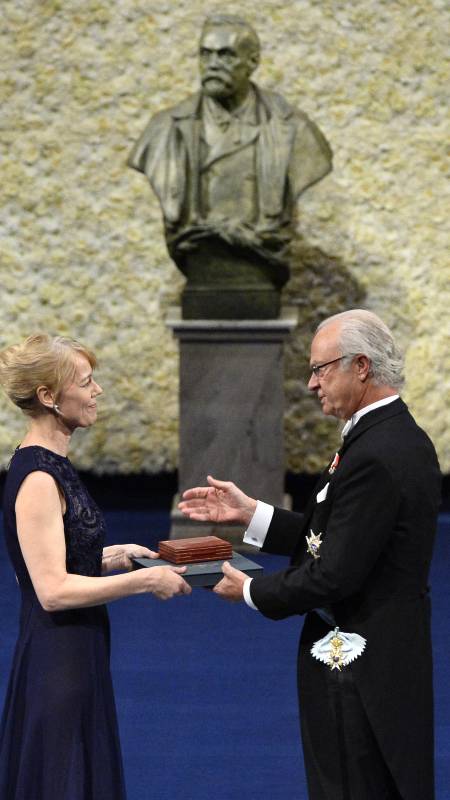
[225, 64]
[338, 385]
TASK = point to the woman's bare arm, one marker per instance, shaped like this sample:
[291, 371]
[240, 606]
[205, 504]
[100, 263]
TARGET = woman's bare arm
[41, 537]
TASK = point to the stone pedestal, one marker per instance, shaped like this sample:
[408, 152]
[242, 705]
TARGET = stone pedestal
[231, 409]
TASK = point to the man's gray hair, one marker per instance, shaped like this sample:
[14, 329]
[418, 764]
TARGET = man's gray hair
[362, 332]
[247, 35]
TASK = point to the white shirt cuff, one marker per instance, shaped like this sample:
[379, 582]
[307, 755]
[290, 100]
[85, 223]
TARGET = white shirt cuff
[247, 595]
[259, 524]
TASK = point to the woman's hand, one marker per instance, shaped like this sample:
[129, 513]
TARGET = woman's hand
[165, 582]
[221, 501]
[117, 557]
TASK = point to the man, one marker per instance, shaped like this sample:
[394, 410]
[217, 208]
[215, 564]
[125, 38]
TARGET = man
[228, 164]
[360, 562]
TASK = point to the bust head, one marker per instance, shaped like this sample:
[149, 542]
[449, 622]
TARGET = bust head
[229, 53]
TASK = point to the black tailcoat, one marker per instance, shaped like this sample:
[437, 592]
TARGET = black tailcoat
[378, 522]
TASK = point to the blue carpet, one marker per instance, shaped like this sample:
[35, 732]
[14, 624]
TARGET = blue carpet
[206, 691]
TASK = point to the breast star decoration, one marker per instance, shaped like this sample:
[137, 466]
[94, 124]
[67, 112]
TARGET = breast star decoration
[313, 543]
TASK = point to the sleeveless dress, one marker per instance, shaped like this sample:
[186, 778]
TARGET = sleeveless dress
[58, 735]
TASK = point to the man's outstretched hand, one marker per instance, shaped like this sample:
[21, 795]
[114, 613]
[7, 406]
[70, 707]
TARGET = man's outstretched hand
[221, 501]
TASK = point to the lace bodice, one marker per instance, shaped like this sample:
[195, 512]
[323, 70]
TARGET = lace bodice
[84, 526]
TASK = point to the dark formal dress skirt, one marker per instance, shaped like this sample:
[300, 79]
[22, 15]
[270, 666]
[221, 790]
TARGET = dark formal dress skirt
[59, 728]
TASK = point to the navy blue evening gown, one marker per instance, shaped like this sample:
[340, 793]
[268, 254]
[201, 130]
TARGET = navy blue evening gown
[58, 735]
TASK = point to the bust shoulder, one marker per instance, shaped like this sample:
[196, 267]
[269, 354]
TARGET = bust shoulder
[278, 105]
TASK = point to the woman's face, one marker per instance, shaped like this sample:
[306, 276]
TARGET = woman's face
[77, 401]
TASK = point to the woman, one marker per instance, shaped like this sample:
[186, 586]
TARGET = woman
[58, 736]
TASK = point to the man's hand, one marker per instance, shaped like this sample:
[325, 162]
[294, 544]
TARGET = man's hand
[221, 501]
[231, 587]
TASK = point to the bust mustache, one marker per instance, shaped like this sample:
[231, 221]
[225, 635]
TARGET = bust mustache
[218, 83]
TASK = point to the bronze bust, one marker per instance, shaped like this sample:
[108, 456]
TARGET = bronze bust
[228, 165]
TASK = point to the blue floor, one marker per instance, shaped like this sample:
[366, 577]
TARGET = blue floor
[206, 691]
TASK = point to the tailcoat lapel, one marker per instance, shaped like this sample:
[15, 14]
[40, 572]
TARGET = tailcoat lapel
[365, 423]
[370, 419]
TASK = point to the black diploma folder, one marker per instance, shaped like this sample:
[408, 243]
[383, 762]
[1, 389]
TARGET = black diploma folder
[204, 573]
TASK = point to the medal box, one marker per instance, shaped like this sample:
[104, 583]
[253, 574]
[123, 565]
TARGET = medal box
[194, 549]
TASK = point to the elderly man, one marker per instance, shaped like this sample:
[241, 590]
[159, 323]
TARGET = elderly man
[360, 560]
[228, 164]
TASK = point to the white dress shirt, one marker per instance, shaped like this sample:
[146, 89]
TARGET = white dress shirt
[259, 523]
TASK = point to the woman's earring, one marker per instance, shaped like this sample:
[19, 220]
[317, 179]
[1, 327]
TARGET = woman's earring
[56, 409]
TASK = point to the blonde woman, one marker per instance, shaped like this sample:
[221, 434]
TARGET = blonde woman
[58, 735]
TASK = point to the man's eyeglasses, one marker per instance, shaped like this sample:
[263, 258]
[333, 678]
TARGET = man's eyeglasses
[318, 369]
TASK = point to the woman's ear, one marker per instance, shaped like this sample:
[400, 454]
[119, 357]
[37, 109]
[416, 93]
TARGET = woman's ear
[45, 397]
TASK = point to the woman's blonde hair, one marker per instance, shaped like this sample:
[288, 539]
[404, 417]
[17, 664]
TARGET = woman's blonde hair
[41, 360]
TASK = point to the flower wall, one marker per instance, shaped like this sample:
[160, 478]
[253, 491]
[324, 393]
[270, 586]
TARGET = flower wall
[82, 246]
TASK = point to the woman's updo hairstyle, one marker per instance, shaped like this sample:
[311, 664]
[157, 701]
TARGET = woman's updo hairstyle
[41, 360]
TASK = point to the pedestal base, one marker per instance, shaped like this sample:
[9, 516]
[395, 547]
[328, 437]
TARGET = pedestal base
[237, 281]
[230, 303]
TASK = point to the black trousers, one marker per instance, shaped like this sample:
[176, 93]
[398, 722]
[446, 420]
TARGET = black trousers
[342, 758]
